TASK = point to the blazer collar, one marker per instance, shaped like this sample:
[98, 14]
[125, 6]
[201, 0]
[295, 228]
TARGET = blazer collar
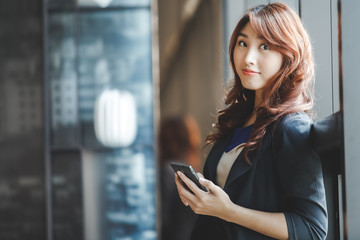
[215, 155]
[240, 165]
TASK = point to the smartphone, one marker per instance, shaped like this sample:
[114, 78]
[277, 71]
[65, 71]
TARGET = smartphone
[189, 172]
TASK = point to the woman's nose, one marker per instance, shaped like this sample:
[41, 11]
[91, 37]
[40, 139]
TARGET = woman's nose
[250, 57]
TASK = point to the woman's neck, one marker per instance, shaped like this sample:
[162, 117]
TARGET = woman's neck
[251, 120]
[258, 100]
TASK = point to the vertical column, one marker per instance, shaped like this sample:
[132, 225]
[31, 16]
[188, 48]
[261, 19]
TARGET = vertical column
[316, 16]
[351, 98]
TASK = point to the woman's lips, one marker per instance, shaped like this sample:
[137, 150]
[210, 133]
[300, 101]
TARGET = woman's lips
[249, 72]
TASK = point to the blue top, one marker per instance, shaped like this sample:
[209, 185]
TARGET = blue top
[241, 135]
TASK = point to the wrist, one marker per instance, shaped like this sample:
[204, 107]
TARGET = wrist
[229, 212]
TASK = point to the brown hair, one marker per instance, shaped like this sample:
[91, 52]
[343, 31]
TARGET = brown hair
[289, 91]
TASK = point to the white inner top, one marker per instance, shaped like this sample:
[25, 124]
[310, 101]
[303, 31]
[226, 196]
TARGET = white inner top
[225, 164]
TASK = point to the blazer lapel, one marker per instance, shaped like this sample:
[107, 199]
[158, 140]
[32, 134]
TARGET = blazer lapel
[240, 165]
[216, 153]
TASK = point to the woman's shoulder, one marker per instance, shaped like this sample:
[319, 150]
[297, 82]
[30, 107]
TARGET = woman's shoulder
[295, 119]
[294, 133]
[294, 124]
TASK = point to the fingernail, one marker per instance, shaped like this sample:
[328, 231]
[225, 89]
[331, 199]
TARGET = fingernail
[201, 180]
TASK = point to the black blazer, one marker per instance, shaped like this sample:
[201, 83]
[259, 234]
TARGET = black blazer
[285, 176]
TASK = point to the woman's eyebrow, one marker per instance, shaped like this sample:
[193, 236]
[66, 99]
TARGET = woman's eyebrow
[243, 35]
[246, 36]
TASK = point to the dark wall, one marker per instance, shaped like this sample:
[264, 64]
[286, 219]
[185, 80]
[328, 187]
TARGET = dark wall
[21, 128]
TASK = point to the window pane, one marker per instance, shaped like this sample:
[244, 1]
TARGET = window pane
[119, 194]
[67, 195]
[113, 3]
[63, 80]
[91, 53]
[115, 53]
[61, 4]
[128, 197]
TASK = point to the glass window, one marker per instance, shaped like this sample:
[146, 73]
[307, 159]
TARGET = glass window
[115, 53]
[113, 3]
[63, 79]
[94, 52]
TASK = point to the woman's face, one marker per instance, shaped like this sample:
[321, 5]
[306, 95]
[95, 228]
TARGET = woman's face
[255, 62]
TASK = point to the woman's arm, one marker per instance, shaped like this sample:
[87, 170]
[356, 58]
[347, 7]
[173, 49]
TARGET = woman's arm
[217, 203]
[299, 172]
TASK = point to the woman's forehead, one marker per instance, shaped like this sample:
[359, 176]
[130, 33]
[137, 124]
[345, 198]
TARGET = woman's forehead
[248, 32]
[248, 29]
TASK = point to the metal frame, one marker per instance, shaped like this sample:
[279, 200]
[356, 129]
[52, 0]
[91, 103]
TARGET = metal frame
[350, 34]
[47, 128]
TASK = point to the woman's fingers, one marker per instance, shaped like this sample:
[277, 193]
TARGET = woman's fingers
[193, 187]
[209, 185]
[200, 175]
[181, 190]
[210, 203]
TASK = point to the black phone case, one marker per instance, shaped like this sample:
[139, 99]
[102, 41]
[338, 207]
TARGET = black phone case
[189, 172]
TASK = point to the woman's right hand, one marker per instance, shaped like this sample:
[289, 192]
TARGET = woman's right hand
[215, 202]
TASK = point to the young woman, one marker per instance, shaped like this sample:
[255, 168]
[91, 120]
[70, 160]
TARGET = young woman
[264, 179]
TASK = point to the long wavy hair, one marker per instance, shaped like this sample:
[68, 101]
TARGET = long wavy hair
[289, 91]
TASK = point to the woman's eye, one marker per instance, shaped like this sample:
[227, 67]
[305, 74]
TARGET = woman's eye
[242, 44]
[264, 47]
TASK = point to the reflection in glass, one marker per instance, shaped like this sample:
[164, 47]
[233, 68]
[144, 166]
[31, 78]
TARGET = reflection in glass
[115, 119]
[115, 52]
[92, 52]
[119, 189]
[67, 195]
[61, 4]
[113, 3]
[63, 79]
[129, 195]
